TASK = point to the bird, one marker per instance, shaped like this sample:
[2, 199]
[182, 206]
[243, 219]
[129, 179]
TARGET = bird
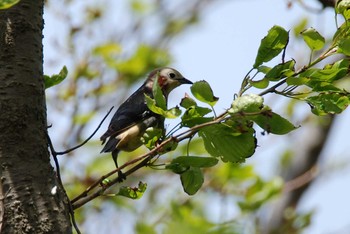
[133, 117]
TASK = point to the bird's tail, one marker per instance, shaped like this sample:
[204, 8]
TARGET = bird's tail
[110, 145]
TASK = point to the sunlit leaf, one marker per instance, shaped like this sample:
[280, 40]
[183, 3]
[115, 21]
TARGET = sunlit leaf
[313, 39]
[151, 137]
[343, 7]
[297, 29]
[260, 84]
[5, 4]
[203, 92]
[281, 70]
[158, 94]
[342, 33]
[328, 103]
[170, 114]
[195, 115]
[300, 80]
[55, 79]
[133, 192]
[143, 228]
[271, 45]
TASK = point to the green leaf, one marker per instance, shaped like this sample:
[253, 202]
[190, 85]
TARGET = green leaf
[248, 103]
[260, 84]
[329, 73]
[5, 4]
[195, 161]
[297, 29]
[297, 81]
[187, 102]
[322, 79]
[343, 8]
[313, 39]
[344, 46]
[133, 193]
[263, 69]
[271, 45]
[158, 94]
[272, 122]
[170, 114]
[328, 103]
[144, 228]
[281, 70]
[343, 32]
[222, 141]
[151, 137]
[203, 92]
[55, 79]
[195, 115]
[259, 193]
[192, 180]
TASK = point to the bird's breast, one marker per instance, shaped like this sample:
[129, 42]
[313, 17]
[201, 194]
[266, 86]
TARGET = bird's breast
[130, 139]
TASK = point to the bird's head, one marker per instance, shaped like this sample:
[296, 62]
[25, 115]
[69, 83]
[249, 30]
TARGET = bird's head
[168, 79]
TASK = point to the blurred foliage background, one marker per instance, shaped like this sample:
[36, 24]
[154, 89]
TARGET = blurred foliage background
[108, 48]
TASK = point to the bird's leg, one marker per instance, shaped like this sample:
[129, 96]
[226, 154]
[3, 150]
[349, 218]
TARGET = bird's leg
[115, 157]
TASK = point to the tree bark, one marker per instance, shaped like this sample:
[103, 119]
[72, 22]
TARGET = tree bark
[27, 178]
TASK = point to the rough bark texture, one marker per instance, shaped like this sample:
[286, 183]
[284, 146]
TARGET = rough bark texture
[26, 202]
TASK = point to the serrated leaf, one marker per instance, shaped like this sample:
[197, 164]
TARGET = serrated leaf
[328, 103]
[195, 161]
[55, 79]
[273, 123]
[5, 4]
[271, 45]
[313, 39]
[203, 92]
[248, 103]
[221, 141]
[281, 70]
[192, 180]
[133, 193]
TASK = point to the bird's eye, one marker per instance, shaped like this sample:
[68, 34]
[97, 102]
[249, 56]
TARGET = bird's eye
[172, 75]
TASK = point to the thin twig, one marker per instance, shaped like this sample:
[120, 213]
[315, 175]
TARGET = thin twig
[84, 142]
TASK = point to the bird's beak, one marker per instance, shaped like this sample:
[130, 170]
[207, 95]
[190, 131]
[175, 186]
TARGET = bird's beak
[185, 81]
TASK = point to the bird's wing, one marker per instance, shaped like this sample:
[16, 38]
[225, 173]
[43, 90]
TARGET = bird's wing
[131, 112]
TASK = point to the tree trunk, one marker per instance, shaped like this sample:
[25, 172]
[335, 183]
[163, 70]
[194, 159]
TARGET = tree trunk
[27, 204]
